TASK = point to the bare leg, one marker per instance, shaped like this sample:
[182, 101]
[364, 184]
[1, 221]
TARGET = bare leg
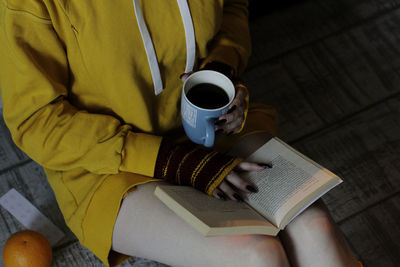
[146, 228]
[312, 239]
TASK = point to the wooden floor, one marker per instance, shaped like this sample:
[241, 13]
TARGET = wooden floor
[332, 70]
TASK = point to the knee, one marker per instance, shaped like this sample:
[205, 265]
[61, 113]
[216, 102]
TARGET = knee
[323, 225]
[265, 251]
[318, 220]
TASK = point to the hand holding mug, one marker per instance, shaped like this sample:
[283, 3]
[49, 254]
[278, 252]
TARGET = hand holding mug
[206, 96]
[232, 121]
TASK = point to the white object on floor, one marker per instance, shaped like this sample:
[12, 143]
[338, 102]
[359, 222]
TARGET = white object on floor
[30, 217]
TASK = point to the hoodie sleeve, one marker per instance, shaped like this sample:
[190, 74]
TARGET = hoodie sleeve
[34, 79]
[231, 45]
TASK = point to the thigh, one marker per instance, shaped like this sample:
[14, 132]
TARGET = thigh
[313, 239]
[146, 228]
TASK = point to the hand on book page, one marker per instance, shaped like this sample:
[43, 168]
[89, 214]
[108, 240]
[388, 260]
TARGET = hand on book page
[284, 191]
[234, 185]
[293, 184]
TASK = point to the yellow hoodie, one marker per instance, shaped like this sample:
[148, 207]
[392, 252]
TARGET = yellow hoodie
[78, 95]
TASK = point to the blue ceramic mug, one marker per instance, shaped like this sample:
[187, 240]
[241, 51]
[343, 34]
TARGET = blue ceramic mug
[199, 122]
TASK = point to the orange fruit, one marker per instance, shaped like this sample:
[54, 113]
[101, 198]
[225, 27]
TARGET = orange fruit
[27, 249]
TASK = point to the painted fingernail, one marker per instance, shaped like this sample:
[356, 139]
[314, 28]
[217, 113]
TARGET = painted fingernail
[265, 165]
[232, 109]
[219, 131]
[221, 196]
[230, 133]
[251, 189]
[237, 197]
[220, 122]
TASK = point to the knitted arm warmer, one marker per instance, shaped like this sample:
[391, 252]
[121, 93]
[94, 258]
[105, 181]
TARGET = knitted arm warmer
[193, 165]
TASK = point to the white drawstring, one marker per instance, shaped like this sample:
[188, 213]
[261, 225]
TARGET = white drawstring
[149, 47]
[189, 34]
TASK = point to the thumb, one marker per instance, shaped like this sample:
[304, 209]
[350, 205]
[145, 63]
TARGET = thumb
[184, 76]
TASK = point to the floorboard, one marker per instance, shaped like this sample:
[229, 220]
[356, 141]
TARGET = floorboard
[374, 234]
[365, 152]
[320, 84]
[308, 21]
[75, 255]
[10, 155]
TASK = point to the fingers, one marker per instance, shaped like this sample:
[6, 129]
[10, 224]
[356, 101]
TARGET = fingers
[249, 166]
[239, 183]
[234, 186]
[229, 192]
[232, 121]
[219, 194]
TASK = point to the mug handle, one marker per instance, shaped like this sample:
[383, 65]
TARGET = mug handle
[210, 133]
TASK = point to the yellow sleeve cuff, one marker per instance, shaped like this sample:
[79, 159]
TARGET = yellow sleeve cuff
[140, 152]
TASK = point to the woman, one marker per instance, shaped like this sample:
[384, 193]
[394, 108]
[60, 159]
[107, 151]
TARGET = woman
[91, 92]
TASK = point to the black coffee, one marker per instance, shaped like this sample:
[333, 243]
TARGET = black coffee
[208, 96]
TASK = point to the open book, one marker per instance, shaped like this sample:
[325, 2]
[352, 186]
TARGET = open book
[291, 185]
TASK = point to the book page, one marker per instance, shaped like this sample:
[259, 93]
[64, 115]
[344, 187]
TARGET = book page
[290, 185]
[204, 212]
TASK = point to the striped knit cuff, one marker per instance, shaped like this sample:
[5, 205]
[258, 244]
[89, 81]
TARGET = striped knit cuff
[193, 165]
[220, 176]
